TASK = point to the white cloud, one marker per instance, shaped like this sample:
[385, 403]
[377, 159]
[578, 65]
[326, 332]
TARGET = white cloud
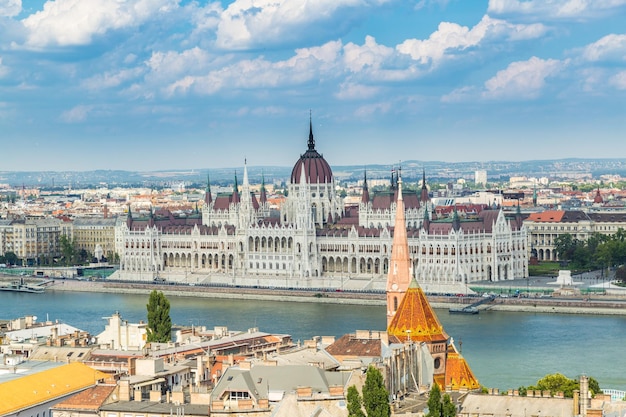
[3, 69]
[306, 65]
[351, 91]
[257, 23]
[76, 22]
[76, 114]
[372, 109]
[459, 95]
[168, 65]
[370, 54]
[619, 80]
[522, 79]
[609, 47]
[451, 38]
[429, 3]
[554, 8]
[111, 79]
[10, 8]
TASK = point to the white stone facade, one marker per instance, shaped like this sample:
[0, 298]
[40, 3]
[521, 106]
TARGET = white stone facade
[314, 242]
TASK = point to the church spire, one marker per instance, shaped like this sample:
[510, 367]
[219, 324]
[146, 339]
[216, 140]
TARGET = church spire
[207, 194]
[426, 221]
[456, 220]
[400, 268]
[235, 198]
[311, 142]
[263, 191]
[129, 219]
[151, 217]
[424, 193]
[245, 173]
[365, 198]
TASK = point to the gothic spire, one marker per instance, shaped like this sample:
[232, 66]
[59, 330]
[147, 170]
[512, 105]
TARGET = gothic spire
[400, 268]
[456, 220]
[129, 219]
[426, 221]
[311, 139]
[245, 172]
[235, 198]
[365, 198]
[424, 193]
[263, 191]
[207, 195]
[151, 217]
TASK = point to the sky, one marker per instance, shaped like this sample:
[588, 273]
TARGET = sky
[178, 84]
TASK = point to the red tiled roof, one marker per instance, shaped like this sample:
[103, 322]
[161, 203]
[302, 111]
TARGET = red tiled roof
[349, 345]
[547, 216]
[90, 399]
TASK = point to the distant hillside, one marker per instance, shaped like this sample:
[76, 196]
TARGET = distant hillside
[411, 171]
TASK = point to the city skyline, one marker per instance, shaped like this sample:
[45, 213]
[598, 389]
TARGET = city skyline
[171, 84]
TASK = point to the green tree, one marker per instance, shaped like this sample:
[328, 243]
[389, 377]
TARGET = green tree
[68, 251]
[375, 395]
[435, 408]
[565, 245]
[448, 407]
[159, 327]
[560, 383]
[557, 382]
[10, 258]
[355, 403]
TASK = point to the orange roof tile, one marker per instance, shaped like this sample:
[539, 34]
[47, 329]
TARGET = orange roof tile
[416, 319]
[90, 399]
[458, 373]
[547, 216]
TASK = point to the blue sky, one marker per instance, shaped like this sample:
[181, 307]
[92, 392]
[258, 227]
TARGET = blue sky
[177, 84]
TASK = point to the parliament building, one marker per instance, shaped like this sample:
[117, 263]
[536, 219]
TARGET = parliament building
[315, 241]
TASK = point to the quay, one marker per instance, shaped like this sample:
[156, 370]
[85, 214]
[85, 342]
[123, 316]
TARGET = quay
[593, 303]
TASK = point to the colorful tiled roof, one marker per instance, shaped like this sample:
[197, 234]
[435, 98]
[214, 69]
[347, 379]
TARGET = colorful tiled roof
[26, 392]
[416, 319]
[458, 373]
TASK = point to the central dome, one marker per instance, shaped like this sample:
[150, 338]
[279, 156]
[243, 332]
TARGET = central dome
[316, 169]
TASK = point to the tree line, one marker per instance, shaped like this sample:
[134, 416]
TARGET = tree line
[597, 252]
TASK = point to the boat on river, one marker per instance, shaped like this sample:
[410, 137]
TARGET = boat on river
[463, 310]
[21, 286]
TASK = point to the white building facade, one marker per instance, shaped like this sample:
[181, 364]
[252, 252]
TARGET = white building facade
[315, 241]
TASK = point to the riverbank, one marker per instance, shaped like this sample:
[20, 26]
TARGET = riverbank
[591, 305]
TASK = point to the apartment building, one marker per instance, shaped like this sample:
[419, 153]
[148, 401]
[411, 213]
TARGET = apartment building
[545, 227]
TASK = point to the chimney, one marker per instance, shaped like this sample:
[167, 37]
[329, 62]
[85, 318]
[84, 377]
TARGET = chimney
[124, 385]
[576, 401]
[584, 395]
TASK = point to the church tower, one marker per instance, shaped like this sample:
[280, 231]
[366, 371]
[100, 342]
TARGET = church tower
[411, 319]
[400, 267]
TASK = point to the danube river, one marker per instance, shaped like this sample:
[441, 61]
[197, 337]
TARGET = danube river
[505, 350]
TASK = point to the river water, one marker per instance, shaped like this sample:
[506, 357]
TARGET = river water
[504, 349]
